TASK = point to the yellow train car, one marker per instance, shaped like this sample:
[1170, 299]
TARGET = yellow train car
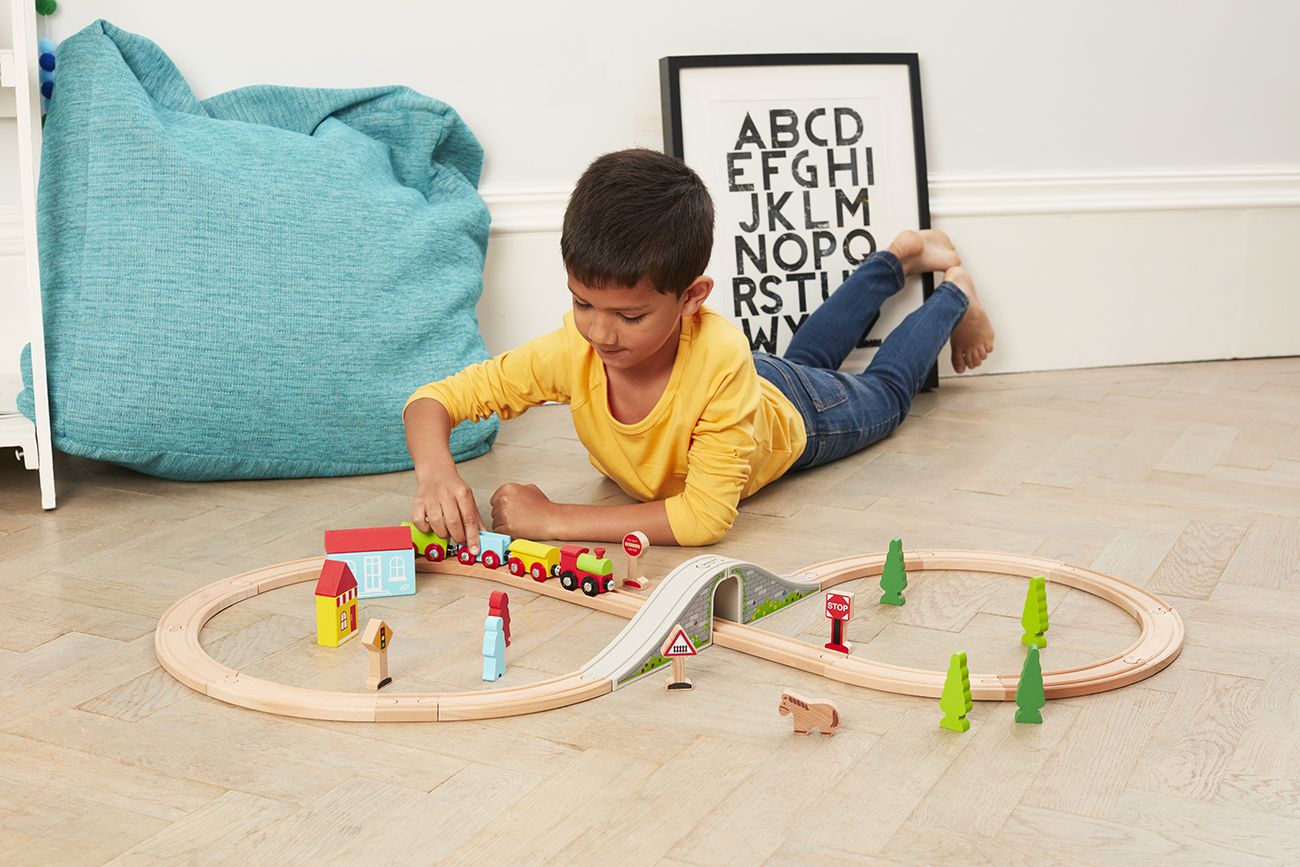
[538, 560]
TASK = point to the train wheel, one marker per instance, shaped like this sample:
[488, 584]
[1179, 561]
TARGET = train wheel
[515, 566]
[589, 586]
[538, 572]
[555, 571]
[568, 580]
[491, 560]
[607, 585]
[464, 556]
[434, 552]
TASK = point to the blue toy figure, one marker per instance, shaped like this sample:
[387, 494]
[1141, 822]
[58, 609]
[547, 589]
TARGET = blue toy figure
[494, 649]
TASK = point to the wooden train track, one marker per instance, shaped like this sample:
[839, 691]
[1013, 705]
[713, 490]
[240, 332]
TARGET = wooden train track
[177, 645]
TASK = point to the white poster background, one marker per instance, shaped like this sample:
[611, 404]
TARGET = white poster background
[714, 105]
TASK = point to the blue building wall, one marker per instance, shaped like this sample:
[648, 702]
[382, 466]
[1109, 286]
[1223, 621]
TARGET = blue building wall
[381, 573]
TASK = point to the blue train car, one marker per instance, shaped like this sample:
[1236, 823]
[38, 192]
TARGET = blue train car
[493, 550]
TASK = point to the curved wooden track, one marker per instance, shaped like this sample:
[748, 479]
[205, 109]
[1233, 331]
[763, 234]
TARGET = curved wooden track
[176, 642]
[1157, 646]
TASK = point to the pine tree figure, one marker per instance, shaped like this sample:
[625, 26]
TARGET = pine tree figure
[955, 701]
[1029, 691]
[894, 579]
[1034, 620]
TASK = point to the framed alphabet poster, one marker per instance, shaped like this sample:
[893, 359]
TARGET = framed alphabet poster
[814, 162]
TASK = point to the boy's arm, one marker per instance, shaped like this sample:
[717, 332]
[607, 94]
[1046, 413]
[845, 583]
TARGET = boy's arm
[506, 385]
[444, 503]
[524, 511]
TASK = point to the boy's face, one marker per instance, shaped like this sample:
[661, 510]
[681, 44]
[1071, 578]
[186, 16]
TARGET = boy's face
[632, 327]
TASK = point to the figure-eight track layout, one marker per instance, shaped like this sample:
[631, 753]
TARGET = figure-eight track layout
[734, 590]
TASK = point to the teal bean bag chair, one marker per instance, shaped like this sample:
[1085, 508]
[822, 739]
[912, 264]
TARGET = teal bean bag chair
[251, 285]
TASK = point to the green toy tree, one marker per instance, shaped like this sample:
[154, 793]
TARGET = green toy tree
[894, 579]
[1029, 691]
[955, 701]
[1034, 620]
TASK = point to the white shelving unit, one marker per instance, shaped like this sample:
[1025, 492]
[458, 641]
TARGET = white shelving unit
[19, 70]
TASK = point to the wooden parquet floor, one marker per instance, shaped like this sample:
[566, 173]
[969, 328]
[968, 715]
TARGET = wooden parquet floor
[1182, 478]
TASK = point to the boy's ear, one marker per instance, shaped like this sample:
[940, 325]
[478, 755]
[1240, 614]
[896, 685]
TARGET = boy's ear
[696, 293]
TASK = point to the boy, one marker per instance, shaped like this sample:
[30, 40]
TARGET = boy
[665, 393]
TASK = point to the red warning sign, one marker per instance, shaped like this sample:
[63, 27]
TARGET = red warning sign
[678, 644]
[839, 606]
[634, 544]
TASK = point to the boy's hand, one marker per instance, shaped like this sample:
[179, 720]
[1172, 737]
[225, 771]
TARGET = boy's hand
[445, 505]
[522, 511]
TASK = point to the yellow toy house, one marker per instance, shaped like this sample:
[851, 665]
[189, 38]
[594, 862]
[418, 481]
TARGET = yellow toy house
[336, 604]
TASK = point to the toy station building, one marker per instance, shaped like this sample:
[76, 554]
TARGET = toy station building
[381, 558]
[336, 604]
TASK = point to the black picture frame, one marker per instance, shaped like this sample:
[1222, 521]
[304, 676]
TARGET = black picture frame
[822, 86]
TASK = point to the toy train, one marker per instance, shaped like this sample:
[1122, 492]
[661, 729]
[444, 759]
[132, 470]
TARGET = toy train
[575, 565]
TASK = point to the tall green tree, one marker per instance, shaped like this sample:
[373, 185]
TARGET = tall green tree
[1030, 697]
[1034, 620]
[893, 580]
[955, 701]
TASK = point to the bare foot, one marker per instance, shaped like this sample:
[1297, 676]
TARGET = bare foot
[926, 250]
[972, 339]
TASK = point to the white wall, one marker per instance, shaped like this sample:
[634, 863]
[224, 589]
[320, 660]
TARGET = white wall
[1114, 172]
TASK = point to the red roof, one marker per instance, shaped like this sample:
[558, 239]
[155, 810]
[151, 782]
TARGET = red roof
[335, 579]
[371, 539]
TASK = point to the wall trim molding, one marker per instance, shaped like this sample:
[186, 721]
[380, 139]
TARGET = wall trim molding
[517, 212]
[997, 195]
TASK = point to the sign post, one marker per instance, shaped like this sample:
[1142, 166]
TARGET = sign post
[634, 545]
[377, 637]
[677, 648]
[839, 609]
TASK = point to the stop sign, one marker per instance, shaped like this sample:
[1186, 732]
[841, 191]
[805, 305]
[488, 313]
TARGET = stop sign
[635, 543]
[839, 606]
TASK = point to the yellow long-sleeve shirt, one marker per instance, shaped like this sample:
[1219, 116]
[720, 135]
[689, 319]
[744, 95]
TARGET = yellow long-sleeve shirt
[718, 433]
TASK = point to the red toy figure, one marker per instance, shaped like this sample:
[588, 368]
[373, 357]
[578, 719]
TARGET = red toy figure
[499, 606]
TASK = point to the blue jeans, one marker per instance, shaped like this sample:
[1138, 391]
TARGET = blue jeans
[845, 412]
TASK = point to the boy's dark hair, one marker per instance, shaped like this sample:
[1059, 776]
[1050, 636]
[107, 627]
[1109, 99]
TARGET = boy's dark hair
[638, 214]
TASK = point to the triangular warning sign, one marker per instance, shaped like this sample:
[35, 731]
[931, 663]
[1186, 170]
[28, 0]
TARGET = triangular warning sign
[678, 644]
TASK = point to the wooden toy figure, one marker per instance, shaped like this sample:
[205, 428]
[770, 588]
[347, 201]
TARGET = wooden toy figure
[494, 649]
[893, 580]
[1029, 691]
[499, 606]
[809, 715]
[376, 638]
[955, 701]
[1034, 620]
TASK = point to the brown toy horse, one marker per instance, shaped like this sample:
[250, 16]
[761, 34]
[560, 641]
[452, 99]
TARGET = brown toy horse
[809, 715]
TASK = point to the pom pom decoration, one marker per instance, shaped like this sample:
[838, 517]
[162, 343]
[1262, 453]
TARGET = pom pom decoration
[46, 7]
[46, 61]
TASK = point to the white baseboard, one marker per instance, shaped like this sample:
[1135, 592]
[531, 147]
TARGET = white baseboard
[994, 195]
[1078, 270]
[964, 195]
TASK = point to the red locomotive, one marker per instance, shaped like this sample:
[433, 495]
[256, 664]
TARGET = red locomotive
[592, 570]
